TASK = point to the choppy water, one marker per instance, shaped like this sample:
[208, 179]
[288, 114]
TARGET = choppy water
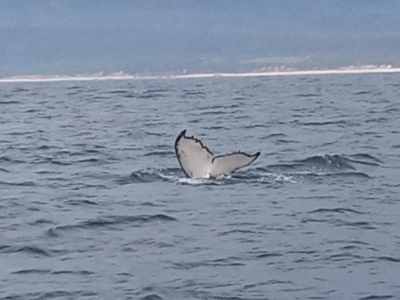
[93, 204]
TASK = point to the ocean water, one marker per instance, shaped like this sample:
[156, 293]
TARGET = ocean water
[94, 205]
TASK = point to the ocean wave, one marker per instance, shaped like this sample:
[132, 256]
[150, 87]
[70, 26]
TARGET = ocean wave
[324, 123]
[10, 160]
[4, 170]
[378, 297]
[334, 161]
[307, 95]
[364, 159]
[29, 249]
[362, 93]
[81, 202]
[317, 166]
[9, 102]
[23, 183]
[110, 222]
[32, 271]
[389, 259]
[342, 223]
[159, 153]
[152, 297]
[336, 210]
[150, 175]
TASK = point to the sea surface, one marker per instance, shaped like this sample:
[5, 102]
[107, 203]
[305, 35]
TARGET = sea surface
[94, 205]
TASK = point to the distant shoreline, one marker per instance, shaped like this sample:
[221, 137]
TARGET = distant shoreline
[122, 76]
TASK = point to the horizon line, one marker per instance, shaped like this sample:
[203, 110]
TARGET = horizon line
[167, 75]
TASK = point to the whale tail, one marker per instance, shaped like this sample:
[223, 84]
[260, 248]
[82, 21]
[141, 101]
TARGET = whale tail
[197, 161]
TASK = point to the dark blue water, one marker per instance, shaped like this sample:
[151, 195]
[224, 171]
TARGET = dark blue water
[93, 204]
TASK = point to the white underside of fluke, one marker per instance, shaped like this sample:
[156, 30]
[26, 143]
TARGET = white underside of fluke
[197, 161]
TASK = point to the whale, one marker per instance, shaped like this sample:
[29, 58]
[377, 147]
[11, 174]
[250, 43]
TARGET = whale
[198, 161]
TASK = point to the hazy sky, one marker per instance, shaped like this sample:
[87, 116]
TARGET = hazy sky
[84, 36]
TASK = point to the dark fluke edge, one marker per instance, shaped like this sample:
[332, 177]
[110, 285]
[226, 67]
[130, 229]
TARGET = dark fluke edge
[198, 161]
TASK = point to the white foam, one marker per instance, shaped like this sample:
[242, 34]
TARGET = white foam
[193, 181]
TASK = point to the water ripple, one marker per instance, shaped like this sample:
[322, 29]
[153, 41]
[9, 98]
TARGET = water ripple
[112, 222]
[24, 249]
[92, 196]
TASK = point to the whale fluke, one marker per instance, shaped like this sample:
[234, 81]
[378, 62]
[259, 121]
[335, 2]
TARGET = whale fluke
[197, 161]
